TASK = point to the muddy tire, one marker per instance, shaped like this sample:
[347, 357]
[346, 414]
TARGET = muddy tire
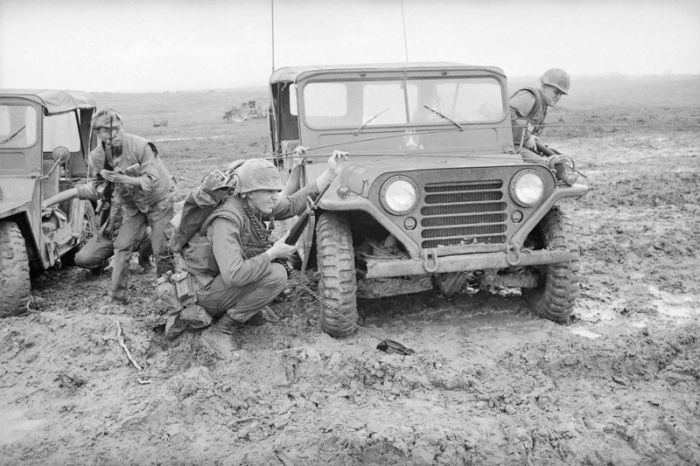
[337, 281]
[558, 287]
[14, 271]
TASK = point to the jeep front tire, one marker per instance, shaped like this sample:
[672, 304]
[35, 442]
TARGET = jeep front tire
[555, 295]
[14, 271]
[337, 281]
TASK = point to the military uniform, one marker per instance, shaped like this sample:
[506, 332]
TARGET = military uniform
[99, 248]
[529, 104]
[148, 204]
[227, 257]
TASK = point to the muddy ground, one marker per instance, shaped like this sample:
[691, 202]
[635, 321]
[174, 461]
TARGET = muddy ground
[489, 383]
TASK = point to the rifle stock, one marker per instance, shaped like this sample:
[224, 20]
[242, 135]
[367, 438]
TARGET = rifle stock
[298, 228]
[303, 220]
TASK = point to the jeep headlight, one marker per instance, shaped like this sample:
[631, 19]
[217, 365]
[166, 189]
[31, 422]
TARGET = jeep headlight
[527, 188]
[399, 195]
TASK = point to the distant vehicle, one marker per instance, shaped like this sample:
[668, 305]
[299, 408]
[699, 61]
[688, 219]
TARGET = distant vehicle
[44, 142]
[434, 194]
[246, 110]
[160, 123]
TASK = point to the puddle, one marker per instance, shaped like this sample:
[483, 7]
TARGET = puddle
[675, 306]
[14, 425]
[585, 333]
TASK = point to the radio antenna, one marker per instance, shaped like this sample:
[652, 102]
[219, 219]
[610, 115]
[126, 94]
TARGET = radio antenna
[272, 15]
[403, 20]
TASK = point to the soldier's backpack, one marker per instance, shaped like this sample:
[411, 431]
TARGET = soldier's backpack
[201, 201]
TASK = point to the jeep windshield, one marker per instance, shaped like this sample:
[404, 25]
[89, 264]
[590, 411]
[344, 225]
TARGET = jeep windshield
[415, 102]
[17, 126]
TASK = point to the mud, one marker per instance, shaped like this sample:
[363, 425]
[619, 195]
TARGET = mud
[489, 383]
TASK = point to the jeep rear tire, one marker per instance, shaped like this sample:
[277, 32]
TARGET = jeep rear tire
[558, 288]
[337, 281]
[14, 271]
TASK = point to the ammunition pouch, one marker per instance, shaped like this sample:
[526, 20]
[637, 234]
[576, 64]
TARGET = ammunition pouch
[177, 292]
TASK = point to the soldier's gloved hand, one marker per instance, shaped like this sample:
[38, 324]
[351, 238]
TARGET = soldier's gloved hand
[113, 176]
[531, 143]
[299, 151]
[336, 160]
[280, 250]
[335, 163]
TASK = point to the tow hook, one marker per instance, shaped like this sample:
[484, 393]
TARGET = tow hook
[430, 261]
[512, 254]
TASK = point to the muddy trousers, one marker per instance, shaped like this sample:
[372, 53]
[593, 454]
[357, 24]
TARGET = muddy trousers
[100, 248]
[242, 303]
[133, 228]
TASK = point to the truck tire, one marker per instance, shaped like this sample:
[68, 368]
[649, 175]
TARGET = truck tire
[337, 281]
[14, 271]
[558, 287]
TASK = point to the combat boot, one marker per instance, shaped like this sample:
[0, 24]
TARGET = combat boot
[226, 325]
[219, 337]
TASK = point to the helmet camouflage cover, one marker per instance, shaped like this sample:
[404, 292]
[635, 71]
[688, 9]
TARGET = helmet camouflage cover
[558, 78]
[257, 174]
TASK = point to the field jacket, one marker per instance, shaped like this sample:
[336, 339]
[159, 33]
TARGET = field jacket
[229, 244]
[139, 158]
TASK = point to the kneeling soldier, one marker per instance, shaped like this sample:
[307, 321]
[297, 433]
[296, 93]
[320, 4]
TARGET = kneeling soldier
[231, 258]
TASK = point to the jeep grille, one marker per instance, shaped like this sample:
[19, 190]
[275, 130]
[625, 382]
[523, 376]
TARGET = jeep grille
[468, 212]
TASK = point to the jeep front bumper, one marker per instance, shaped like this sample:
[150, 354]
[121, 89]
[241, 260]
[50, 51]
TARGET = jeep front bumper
[431, 262]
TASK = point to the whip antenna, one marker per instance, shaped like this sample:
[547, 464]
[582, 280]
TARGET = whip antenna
[272, 17]
[403, 20]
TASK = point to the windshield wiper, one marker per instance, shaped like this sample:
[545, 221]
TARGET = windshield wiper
[364, 125]
[12, 136]
[444, 117]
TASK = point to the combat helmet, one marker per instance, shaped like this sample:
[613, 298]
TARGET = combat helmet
[104, 117]
[558, 78]
[256, 174]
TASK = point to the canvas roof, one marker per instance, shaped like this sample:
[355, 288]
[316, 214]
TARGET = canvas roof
[54, 101]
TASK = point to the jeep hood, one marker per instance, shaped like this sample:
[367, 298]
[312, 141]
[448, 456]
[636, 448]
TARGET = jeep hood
[367, 170]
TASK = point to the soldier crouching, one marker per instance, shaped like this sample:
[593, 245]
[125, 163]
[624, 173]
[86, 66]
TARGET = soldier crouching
[231, 257]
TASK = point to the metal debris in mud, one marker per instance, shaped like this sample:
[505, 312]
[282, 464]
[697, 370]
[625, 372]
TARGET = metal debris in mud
[120, 338]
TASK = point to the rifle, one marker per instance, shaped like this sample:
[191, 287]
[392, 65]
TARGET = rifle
[562, 164]
[299, 226]
[545, 150]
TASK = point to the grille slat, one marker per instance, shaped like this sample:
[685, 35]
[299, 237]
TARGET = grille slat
[463, 213]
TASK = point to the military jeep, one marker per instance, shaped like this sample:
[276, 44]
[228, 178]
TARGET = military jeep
[434, 194]
[44, 142]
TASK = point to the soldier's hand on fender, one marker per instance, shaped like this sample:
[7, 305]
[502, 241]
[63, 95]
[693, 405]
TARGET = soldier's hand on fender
[336, 160]
[280, 249]
[531, 143]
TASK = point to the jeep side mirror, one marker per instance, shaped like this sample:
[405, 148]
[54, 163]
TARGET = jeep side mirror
[60, 154]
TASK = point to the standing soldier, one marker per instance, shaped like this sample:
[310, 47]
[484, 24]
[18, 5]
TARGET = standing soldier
[142, 188]
[231, 258]
[528, 110]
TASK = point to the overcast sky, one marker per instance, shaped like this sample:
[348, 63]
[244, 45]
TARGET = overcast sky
[158, 45]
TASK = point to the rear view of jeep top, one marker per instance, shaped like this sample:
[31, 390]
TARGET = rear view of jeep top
[434, 193]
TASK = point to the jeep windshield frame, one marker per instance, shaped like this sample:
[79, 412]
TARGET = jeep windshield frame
[386, 102]
[371, 130]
